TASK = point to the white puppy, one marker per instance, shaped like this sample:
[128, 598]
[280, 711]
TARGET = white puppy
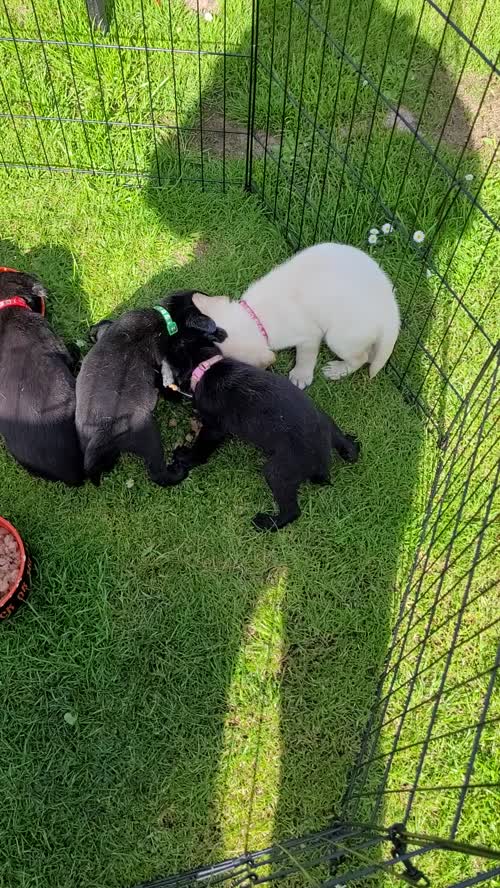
[329, 292]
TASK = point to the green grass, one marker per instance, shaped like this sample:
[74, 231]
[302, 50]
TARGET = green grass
[215, 683]
[159, 618]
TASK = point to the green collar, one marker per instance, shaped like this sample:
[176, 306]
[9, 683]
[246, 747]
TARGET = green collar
[167, 317]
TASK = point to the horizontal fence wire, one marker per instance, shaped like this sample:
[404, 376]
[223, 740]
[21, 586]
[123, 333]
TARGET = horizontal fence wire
[137, 100]
[341, 855]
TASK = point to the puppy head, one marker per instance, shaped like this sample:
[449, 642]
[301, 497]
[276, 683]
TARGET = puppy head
[244, 340]
[191, 322]
[99, 329]
[17, 283]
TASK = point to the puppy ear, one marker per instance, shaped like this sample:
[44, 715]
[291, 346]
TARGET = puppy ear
[197, 321]
[202, 302]
[99, 329]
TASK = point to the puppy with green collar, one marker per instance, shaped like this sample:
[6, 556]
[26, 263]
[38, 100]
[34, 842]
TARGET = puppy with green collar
[119, 382]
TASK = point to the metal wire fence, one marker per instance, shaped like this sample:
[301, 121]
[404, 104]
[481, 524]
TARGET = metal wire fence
[373, 121]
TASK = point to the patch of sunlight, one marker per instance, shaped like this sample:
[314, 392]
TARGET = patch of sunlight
[249, 776]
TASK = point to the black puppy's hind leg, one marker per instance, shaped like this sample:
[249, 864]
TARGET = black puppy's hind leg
[346, 446]
[284, 487]
[145, 442]
[208, 441]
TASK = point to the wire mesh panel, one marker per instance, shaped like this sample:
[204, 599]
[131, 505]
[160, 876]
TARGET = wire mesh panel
[143, 90]
[377, 126]
[427, 762]
[428, 756]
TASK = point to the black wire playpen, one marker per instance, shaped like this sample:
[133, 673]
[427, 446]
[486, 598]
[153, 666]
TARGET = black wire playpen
[332, 114]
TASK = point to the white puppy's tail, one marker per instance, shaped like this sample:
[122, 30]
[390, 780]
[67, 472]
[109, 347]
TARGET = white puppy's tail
[384, 345]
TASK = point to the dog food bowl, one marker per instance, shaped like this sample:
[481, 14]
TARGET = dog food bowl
[14, 560]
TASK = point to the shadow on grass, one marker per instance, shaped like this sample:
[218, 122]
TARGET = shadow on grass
[55, 266]
[222, 680]
[338, 565]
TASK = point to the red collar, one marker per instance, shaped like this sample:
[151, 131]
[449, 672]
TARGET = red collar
[17, 301]
[14, 302]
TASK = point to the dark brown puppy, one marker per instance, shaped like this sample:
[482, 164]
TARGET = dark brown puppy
[37, 385]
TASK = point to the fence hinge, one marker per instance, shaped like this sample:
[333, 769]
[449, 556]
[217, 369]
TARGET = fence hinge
[412, 876]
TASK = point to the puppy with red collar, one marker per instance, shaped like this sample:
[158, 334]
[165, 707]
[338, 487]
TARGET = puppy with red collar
[37, 385]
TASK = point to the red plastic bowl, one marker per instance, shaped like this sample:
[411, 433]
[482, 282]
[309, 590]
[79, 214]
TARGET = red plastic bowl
[14, 597]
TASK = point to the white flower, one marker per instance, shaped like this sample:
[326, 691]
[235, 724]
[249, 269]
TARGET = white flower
[387, 228]
[428, 273]
[374, 231]
[418, 237]
[129, 483]
[372, 238]
[208, 16]
[80, 343]
[468, 177]
[365, 83]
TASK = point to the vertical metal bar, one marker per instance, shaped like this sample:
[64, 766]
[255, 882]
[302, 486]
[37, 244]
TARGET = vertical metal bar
[316, 112]
[101, 95]
[224, 87]
[174, 84]
[372, 121]
[252, 94]
[334, 117]
[297, 132]
[269, 97]
[125, 93]
[150, 92]
[351, 124]
[51, 83]
[475, 745]
[14, 126]
[200, 95]
[26, 86]
[283, 113]
[70, 61]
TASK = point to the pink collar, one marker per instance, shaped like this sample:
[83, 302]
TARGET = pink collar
[255, 318]
[199, 371]
[14, 302]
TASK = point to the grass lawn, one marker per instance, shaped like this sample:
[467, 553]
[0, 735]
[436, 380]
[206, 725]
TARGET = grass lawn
[179, 688]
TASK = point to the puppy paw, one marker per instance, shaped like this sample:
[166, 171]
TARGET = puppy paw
[301, 378]
[181, 455]
[264, 521]
[174, 474]
[336, 370]
[351, 449]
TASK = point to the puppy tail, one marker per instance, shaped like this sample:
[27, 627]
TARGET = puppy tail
[385, 343]
[100, 456]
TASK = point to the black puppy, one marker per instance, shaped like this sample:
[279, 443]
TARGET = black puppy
[266, 410]
[118, 385]
[37, 386]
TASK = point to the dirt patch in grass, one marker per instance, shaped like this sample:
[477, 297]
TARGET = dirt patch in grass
[466, 125]
[224, 137]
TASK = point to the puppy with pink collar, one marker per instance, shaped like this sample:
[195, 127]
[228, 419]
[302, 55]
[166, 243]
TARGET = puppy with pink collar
[329, 292]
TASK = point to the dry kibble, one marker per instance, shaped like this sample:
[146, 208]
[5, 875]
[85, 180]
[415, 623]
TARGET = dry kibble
[172, 423]
[10, 559]
[189, 438]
